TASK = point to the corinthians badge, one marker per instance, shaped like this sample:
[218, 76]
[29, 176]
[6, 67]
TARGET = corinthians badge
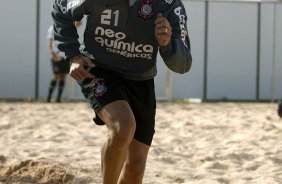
[100, 88]
[146, 9]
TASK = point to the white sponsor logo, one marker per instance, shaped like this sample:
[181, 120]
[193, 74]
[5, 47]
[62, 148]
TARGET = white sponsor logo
[73, 3]
[113, 41]
[62, 7]
[168, 1]
[182, 22]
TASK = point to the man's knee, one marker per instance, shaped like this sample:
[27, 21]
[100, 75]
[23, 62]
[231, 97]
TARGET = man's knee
[123, 131]
[120, 121]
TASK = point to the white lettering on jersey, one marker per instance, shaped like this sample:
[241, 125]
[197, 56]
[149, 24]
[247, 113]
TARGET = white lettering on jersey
[62, 7]
[113, 41]
[168, 1]
[73, 3]
[182, 22]
[107, 16]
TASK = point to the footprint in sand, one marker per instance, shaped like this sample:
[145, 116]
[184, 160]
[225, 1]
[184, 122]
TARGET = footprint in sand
[2, 159]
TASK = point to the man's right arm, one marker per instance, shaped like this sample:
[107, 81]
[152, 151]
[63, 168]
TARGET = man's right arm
[64, 14]
[65, 33]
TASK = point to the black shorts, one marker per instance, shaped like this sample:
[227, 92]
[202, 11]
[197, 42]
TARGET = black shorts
[61, 66]
[108, 87]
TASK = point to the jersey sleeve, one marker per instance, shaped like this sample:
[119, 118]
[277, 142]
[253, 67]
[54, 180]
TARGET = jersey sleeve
[64, 14]
[177, 55]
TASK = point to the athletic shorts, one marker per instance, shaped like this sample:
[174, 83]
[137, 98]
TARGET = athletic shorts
[108, 86]
[61, 66]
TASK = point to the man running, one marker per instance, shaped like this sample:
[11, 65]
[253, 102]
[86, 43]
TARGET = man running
[116, 66]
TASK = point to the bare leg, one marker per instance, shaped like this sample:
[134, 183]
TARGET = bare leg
[120, 122]
[134, 167]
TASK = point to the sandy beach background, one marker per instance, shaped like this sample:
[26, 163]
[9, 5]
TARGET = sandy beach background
[194, 143]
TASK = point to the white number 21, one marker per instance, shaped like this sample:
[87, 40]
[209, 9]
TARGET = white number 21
[106, 17]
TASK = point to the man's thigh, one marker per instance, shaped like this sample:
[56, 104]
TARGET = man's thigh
[117, 114]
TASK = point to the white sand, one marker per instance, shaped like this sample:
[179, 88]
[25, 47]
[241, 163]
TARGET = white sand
[205, 143]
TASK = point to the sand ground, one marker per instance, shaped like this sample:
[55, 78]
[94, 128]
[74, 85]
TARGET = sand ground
[194, 143]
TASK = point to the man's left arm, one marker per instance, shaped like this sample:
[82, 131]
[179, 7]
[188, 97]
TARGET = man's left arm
[172, 36]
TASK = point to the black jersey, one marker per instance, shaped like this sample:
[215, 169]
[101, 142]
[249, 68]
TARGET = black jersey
[121, 37]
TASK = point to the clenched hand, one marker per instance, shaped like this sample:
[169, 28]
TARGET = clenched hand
[163, 30]
[77, 68]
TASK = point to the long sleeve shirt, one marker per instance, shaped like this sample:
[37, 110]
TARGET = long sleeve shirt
[121, 37]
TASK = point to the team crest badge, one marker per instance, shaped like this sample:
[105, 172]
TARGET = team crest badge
[146, 9]
[100, 88]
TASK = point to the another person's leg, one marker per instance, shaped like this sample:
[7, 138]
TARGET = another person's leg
[55, 78]
[279, 110]
[61, 86]
[53, 83]
[52, 87]
[120, 122]
[63, 69]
